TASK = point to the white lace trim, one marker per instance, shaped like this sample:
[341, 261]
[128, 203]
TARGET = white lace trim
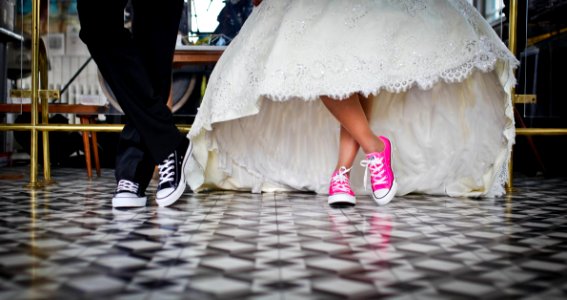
[484, 61]
[501, 175]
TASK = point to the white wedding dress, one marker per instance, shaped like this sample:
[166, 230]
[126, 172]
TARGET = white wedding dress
[439, 76]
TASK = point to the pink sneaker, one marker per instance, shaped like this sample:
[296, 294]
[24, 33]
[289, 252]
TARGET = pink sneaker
[339, 190]
[379, 165]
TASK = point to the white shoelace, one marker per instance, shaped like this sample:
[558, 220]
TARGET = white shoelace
[376, 166]
[166, 169]
[340, 181]
[125, 185]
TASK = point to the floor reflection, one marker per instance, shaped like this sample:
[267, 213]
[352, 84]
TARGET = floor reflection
[67, 242]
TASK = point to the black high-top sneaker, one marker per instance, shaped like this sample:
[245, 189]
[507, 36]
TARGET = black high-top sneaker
[171, 176]
[128, 194]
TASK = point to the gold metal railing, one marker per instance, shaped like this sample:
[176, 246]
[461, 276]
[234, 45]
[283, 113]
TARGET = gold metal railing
[512, 33]
[39, 85]
[512, 45]
[541, 131]
[74, 127]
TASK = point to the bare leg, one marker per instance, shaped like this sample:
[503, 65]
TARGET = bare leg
[350, 113]
[348, 147]
[355, 130]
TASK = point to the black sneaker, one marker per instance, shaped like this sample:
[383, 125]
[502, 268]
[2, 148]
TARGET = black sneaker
[128, 195]
[171, 176]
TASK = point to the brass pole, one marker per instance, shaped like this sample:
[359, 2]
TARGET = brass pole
[541, 131]
[43, 76]
[512, 45]
[35, 93]
[513, 23]
[75, 127]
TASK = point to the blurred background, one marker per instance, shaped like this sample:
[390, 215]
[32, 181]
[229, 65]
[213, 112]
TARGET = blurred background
[212, 24]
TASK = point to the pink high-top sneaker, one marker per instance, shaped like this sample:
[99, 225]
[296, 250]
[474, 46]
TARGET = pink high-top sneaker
[339, 189]
[379, 165]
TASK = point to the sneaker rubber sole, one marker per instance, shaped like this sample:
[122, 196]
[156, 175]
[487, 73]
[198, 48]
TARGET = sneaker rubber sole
[388, 197]
[341, 199]
[128, 201]
[178, 191]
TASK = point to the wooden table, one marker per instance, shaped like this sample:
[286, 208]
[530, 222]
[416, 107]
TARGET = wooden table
[186, 55]
[197, 55]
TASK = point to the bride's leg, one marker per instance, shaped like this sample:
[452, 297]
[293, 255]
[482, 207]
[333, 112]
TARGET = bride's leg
[351, 114]
[352, 117]
[348, 146]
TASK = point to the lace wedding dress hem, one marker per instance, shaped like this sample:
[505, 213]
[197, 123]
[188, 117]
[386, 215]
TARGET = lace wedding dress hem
[443, 98]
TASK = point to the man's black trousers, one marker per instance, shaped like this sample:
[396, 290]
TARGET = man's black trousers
[137, 66]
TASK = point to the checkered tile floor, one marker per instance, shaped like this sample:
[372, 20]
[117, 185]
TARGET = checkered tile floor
[66, 242]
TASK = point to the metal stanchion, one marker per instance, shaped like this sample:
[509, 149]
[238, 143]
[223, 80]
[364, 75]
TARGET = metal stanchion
[43, 69]
[512, 46]
[34, 94]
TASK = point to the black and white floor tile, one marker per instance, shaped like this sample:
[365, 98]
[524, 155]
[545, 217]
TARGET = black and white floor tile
[65, 241]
